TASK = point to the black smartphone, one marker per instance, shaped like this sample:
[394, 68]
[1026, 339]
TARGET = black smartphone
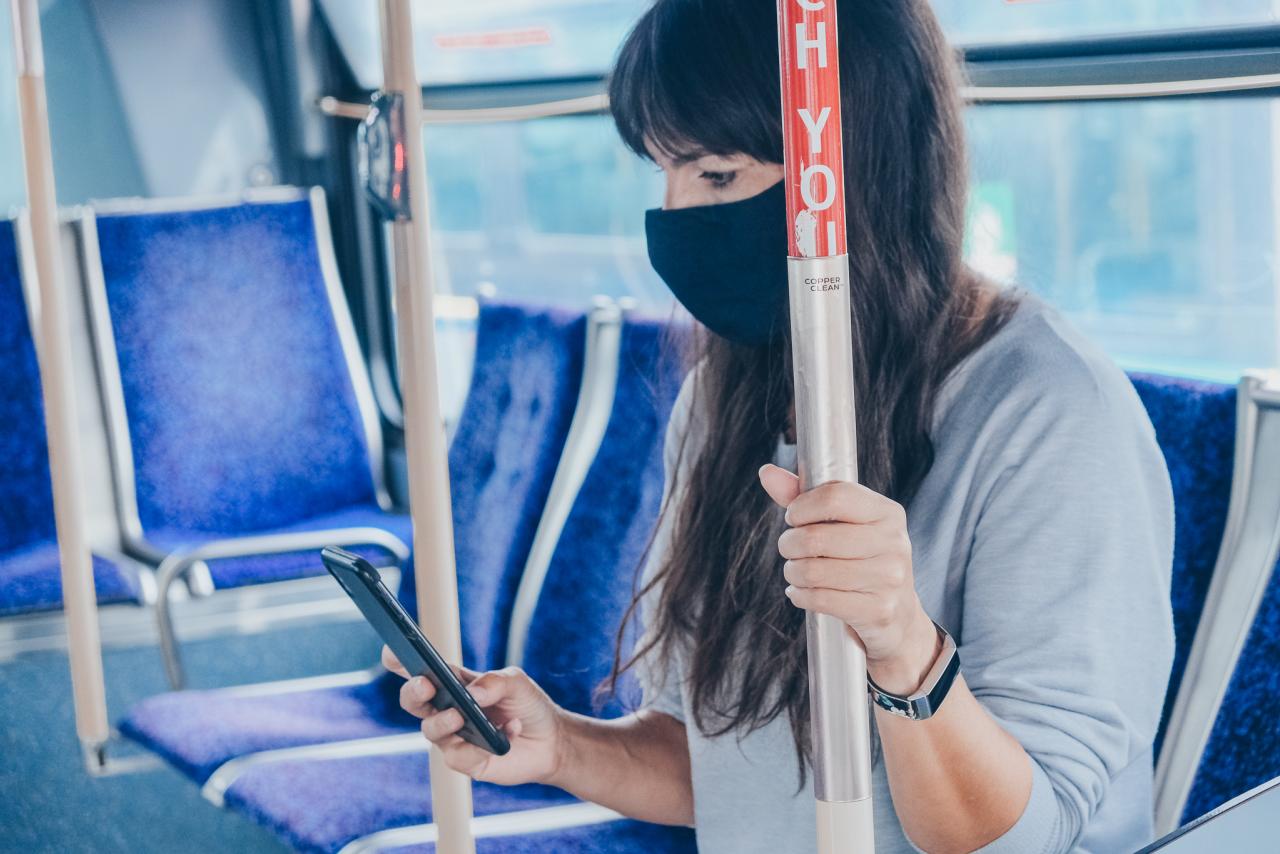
[385, 613]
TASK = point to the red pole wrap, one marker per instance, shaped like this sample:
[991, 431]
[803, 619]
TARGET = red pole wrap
[813, 145]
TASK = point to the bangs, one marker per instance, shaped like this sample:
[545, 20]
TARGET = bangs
[690, 80]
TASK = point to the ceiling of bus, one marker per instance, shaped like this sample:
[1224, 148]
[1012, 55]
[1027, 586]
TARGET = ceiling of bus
[492, 41]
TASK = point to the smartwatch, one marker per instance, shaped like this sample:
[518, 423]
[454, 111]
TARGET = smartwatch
[926, 701]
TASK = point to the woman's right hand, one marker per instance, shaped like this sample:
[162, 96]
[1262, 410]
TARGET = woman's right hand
[515, 704]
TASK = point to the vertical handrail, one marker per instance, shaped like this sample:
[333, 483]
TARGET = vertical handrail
[425, 444]
[53, 347]
[822, 349]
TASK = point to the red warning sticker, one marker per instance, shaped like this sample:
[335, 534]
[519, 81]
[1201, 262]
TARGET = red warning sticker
[494, 39]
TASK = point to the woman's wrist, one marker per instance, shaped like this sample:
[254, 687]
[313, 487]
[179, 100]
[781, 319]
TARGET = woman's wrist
[564, 754]
[903, 672]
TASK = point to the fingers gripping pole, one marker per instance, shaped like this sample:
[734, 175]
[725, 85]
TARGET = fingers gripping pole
[818, 272]
[434, 567]
[54, 350]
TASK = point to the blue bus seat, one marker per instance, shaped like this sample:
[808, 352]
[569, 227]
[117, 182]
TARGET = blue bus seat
[235, 392]
[570, 644]
[1243, 750]
[323, 804]
[502, 460]
[1241, 743]
[30, 569]
[1195, 424]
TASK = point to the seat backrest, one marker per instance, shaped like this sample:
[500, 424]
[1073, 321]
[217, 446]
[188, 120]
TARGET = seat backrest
[1243, 750]
[502, 460]
[1195, 425]
[26, 496]
[226, 346]
[592, 575]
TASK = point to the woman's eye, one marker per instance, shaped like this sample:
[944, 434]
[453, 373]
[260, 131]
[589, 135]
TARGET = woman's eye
[719, 180]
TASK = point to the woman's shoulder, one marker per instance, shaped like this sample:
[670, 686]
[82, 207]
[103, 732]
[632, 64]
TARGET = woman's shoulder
[1039, 367]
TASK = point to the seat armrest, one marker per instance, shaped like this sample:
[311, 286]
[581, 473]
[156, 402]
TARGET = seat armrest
[179, 562]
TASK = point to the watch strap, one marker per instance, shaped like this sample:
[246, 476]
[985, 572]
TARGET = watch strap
[928, 699]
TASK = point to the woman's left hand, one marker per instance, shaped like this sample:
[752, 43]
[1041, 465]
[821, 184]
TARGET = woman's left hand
[848, 555]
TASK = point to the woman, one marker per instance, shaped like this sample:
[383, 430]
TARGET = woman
[1012, 494]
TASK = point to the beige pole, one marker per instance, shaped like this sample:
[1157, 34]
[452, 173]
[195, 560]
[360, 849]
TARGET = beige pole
[54, 349]
[426, 448]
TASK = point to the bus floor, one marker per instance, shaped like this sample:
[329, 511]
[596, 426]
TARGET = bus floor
[49, 803]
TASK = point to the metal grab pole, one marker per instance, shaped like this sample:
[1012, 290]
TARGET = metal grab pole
[427, 451]
[53, 346]
[818, 274]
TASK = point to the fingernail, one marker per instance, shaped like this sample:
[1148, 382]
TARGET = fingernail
[790, 591]
[420, 687]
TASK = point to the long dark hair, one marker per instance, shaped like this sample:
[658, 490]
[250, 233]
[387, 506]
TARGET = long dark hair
[703, 74]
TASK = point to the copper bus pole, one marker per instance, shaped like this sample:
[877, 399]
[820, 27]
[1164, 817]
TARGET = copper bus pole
[818, 274]
[425, 444]
[53, 346]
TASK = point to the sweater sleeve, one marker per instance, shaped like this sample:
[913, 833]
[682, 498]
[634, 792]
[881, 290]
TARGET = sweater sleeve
[1067, 636]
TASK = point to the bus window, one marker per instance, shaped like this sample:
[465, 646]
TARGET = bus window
[543, 209]
[1010, 21]
[1152, 224]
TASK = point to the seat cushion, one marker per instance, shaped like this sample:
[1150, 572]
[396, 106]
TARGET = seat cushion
[321, 805]
[1195, 426]
[31, 580]
[237, 572]
[198, 731]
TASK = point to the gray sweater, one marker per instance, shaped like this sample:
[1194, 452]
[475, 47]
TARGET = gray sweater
[1042, 540]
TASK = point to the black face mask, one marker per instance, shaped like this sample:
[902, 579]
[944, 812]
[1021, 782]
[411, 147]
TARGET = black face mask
[727, 264]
